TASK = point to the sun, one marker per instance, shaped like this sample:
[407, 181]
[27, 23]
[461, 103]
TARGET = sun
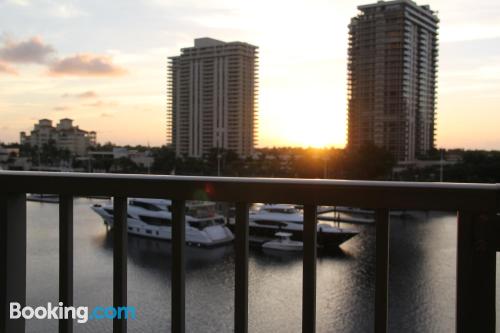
[306, 120]
[316, 130]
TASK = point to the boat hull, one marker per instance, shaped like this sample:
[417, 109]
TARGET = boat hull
[327, 240]
[281, 246]
[167, 237]
[193, 237]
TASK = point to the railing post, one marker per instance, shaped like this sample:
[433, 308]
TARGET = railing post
[178, 266]
[309, 270]
[66, 258]
[382, 270]
[241, 269]
[476, 272]
[119, 260]
[12, 259]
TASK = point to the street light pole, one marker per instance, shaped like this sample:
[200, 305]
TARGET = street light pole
[441, 167]
[325, 168]
[218, 164]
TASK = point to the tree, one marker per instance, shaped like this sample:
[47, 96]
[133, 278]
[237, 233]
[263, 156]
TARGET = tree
[125, 165]
[369, 162]
[164, 160]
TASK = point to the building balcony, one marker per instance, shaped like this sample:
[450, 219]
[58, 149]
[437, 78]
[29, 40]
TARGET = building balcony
[477, 238]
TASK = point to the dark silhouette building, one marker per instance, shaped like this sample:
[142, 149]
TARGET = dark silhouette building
[392, 78]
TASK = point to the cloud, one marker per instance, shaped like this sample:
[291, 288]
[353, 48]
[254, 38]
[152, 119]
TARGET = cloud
[61, 108]
[35, 51]
[83, 95]
[88, 94]
[66, 11]
[22, 3]
[85, 65]
[60, 9]
[6, 69]
[101, 104]
[31, 51]
[106, 115]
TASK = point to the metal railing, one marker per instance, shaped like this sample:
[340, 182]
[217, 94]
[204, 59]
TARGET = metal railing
[477, 206]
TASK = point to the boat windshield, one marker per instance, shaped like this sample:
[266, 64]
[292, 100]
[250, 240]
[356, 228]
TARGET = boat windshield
[156, 221]
[272, 223]
[206, 223]
[145, 205]
[281, 210]
[200, 211]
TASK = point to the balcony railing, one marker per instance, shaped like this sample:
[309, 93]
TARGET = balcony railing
[477, 206]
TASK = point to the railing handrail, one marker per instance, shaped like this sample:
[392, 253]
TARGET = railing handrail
[355, 193]
[253, 180]
[477, 236]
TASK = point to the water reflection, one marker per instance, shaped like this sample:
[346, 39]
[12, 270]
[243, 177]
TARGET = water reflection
[148, 252]
[422, 278]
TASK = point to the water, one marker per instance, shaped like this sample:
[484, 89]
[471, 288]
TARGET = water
[422, 279]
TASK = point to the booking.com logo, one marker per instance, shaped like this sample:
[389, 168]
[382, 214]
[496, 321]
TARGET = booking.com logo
[80, 313]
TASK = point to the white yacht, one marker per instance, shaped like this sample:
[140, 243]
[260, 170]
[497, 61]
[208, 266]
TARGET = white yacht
[283, 243]
[268, 219]
[153, 218]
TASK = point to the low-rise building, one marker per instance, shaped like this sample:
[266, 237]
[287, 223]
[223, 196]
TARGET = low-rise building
[10, 159]
[4, 154]
[141, 158]
[64, 135]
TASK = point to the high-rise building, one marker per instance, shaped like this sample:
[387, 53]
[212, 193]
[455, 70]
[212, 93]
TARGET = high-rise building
[392, 78]
[212, 91]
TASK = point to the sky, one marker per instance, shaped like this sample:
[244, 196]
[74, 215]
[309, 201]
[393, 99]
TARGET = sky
[104, 64]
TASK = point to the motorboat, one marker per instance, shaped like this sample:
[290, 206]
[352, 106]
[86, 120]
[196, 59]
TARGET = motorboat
[283, 243]
[268, 219]
[153, 218]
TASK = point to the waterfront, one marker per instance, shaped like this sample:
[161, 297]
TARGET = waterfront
[422, 279]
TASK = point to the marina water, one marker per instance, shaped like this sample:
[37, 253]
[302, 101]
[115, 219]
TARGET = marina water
[421, 285]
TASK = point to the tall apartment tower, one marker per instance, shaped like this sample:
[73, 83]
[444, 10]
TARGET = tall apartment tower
[212, 91]
[392, 78]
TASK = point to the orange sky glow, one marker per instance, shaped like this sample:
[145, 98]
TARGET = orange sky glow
[71, 59]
